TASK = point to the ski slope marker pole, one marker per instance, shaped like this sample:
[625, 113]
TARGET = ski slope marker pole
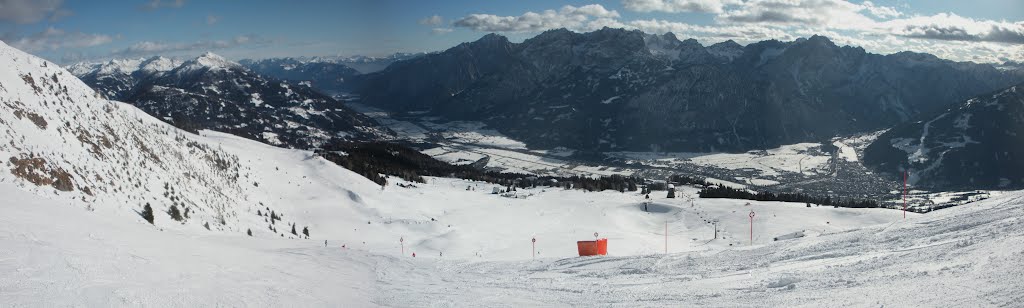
[905, 194]
[666, 236]
[751, 227]
[401, 241]
[534, 240]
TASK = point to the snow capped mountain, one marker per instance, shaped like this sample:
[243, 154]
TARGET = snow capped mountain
[976, 145]
[157, 64]
[556, 89]
[64, 141]
[116, 78]
[211, 92]
[207, 62]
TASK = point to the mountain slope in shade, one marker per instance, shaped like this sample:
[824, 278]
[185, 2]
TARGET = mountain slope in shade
[328, 77]
[976, 145]
[60, 139]
[613, 89]
[210, 92]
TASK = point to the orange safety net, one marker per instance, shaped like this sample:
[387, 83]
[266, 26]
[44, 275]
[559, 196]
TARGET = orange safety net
[593, 248]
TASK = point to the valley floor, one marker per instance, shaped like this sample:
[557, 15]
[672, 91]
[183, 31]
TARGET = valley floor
[473, 249]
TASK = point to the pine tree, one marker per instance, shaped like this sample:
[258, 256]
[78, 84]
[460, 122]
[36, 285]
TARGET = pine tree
[147, 213]
[175, 214]
[293, 230]
[248, 231]
[305, 231]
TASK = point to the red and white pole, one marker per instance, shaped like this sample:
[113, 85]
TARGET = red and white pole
[751, 227]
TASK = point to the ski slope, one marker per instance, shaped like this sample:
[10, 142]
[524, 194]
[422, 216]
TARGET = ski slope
[442, 217]
[63, 255]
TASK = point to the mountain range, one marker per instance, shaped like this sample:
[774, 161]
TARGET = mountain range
[609, 90]
[210, 92]
[328, 77]
[615, 89]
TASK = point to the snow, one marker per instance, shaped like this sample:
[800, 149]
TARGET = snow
[465, 142]
[852, 257]
[59, 256]
[255, 99]
[271, 138]
[610, 100]
[207, 61]
[846, 152]
[475, 133]
[69, 248]
[124, 66]
[793, 158]
[159, 64]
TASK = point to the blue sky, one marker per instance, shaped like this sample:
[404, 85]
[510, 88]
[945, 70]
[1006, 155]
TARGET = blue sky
[75, 30]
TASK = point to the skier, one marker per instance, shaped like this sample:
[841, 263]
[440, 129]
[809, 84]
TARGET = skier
[414, 255]
[325, 243]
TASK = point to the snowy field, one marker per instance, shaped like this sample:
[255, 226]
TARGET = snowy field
[793, 158]
[465, 142]
[473, 249]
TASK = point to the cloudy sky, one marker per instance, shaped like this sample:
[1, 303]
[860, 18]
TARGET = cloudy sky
[77, 30]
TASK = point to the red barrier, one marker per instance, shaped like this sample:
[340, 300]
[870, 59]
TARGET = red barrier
[593, 248]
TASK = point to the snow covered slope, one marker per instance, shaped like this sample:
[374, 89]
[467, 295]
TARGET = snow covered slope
[964, 256]
[59, 139]
[59, 256]
[967, 256]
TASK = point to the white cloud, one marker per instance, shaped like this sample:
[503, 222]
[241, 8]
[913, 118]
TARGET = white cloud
[676, 6]
[54, 38]
[30, 11]
[710, 34]
[883, 12]
[578, 18]
[158, 4]
[432, 21]
[836, 14]
[440, 31]
[953, 27]
[880, 29]
[147, 48]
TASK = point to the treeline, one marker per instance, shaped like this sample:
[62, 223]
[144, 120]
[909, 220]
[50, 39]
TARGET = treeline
[721, 191]
[375, 160]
